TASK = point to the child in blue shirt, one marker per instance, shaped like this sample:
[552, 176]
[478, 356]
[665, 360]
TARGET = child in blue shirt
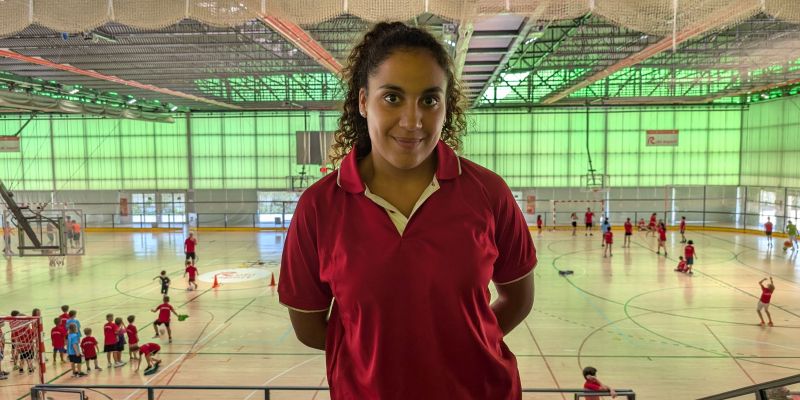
[74, 349]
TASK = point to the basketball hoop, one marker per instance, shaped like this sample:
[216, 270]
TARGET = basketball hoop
[56, 260]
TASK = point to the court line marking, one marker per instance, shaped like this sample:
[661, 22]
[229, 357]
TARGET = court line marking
[546, 363]
[729, 353]
[268, 381]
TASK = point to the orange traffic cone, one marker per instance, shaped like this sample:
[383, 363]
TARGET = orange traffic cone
[272, 281]
[216, 283]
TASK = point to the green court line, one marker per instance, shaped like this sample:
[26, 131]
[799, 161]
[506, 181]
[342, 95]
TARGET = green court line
[627, 305]
[241, 309]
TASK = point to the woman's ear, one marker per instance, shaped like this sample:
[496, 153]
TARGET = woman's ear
[362, 102]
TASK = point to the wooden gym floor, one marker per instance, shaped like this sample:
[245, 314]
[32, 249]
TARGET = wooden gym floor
[643, 326]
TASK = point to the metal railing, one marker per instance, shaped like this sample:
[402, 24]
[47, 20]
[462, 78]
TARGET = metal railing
[281, 220]
[761, 391]
[38, 392]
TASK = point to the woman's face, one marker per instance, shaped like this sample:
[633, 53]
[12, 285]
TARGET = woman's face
[404, 104]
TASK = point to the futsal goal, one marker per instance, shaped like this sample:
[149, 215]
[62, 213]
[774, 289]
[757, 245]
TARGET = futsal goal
[567, 207]
[23, 346]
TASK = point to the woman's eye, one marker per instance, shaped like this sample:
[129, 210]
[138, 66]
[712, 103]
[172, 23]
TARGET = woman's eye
[430, 101]
[391, 98]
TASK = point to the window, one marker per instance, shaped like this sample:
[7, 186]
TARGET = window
[276, 208]
[173, 208]
[766, 206]
[143, 207]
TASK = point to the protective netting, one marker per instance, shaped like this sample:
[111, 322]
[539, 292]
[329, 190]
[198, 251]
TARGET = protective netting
[656, 17]
[22, 345]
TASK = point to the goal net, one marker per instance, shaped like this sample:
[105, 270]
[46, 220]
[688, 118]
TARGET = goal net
[562, 211]
[22, 348]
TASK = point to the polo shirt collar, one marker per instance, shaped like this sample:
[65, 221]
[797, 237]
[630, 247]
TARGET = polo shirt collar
[448, 167]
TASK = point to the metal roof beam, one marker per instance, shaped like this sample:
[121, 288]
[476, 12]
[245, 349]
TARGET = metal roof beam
[303, 41]
[110, 78]
[744, 8]
[465, 32]
[748, 90]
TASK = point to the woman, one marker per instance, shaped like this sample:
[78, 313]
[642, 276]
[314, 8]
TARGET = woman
[399, 245]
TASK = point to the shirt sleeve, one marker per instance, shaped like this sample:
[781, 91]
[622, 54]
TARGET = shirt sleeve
[516, 253]
[300, 286]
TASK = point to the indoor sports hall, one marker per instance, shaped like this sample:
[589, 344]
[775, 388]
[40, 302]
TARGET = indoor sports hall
[156, 148]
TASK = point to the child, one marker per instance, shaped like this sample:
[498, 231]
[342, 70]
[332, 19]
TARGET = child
[64, 316]
[110, 341]
[690, 254]
[120, 341]
[791, 232]
[641, 224]
[766, 296]
[58, 336]
[683, 229]
[164, 282]
[768, 231]
[189, 248]
[164, 310]
[133, 338]
[3, 374]
[90, 348]
[539, 223]
[73, 319]
[594, 385]
[651, 227]
[682, 265]
[74, 350]
[574, 219]
[192, 271]
[588, 218]
[662, 239]
[149, 350]
[605, 227]
[628, 233]
[24, 347]
[608, 237]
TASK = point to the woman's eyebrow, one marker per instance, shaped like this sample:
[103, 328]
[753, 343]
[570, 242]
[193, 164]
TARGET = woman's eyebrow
[434, 89]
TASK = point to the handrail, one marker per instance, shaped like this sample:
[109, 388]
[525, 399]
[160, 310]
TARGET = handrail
[35, 390]
[759, 389]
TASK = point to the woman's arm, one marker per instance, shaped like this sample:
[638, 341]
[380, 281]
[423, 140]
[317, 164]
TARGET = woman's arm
[514, 303]
[311, 328]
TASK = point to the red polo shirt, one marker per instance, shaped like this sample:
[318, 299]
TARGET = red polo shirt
[411, 316]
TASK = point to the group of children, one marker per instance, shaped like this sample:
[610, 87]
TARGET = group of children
[66, 339]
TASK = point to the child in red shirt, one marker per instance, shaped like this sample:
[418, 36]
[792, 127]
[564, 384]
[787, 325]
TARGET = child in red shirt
[690, 254]
[58, 336]
[594, 385]
[766, 296]
[133, 338]
[539, 223]
[149, 350]
[608, 239]
[192, 271]
[682, 266]
[64, 316]
[628, 233]
[89, 348]
[651, 227]
[683, 229]
[164, 309]
[110, 341]
[662, 239]
[768, 231]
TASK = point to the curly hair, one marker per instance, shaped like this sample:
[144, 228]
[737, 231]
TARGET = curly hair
[376, 46]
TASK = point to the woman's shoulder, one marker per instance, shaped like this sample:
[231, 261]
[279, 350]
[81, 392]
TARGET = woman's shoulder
[483, 175]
